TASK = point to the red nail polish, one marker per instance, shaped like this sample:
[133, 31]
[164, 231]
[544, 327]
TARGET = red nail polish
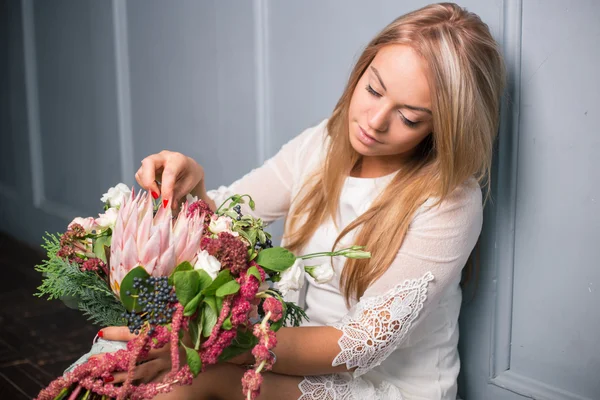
[165, 203]
[109, 378]
[100, 334]
[155, 195]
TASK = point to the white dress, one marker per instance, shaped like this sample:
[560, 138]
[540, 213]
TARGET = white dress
[402, 335]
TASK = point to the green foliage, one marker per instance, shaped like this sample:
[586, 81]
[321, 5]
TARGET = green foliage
[243, 342]
[193, 360]
[276, 259]
[63, 279]
[129, 300]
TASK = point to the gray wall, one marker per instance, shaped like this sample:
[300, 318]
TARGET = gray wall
[88, 88]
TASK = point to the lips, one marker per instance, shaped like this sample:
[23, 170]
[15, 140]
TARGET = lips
[367, 136]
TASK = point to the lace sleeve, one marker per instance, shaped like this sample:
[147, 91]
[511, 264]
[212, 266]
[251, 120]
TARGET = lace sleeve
[428, 263]
[271, 185]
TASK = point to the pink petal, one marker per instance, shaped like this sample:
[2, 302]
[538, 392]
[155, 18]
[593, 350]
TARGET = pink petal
[150, 266]
[151, 249]
[143, 234]
[166, 263]
[130, 255]
[180, 241]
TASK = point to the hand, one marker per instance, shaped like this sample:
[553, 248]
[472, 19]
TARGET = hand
[177, 173]
[245, 358]
[155, 365]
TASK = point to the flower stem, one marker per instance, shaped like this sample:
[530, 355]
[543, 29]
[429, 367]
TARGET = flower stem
[62, 394]
[87, 394]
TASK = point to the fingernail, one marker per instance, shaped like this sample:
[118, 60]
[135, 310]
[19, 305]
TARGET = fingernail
[155, 195]
[165, 203]
[109, 378]
[100, 333]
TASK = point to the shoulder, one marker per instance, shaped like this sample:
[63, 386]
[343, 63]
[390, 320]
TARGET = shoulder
[462, 210]
[312, 138]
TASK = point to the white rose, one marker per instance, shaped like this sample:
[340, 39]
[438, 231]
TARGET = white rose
[108, 219]
[221, 224]
[116, 195]
[322, 273]
[88, 224]
[208, 263]
[292, 278]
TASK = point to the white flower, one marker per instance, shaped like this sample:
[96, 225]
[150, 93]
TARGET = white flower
[221, 224]
[116, 195]
[292, 278]
[208, 263]
[108, 219]
[322, 273]
[88, 224]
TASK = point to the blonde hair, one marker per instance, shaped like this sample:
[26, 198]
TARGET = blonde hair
[466, 77]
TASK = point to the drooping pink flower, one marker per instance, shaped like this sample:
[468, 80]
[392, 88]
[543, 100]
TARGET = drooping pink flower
[229, 250]
[273, 306]
[251, 382]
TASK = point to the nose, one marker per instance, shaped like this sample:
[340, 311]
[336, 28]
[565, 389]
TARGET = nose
[379, 119]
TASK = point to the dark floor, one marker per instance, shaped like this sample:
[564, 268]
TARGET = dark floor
[38, 338]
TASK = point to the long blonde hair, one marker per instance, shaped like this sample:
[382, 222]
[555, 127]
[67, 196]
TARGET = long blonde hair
[466, 77]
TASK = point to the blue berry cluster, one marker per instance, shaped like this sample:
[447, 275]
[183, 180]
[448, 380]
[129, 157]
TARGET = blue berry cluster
[156, 297]
[267, 245]
[238, 210]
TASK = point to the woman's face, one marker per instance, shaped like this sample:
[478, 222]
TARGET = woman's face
[390, 109]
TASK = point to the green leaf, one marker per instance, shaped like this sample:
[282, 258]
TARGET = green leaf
[187, 284]
[210, 316]
[193, 360]
[276, 259]
[190, 308]
[194, 330]
[252, 236]
[254, 271]
[99, 247]
[227, 323]
[127, 286]
[262, 236]
[219, 301]
[223, 277]
[205, 279]
[243, 342]
[184, 266]
[230, 287]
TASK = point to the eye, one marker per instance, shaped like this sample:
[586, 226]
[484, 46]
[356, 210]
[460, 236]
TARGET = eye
[407, 122]
[372, 91]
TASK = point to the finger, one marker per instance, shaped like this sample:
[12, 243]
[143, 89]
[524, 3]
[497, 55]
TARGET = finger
[173, 168]
[119, 333]
[146, 176]
[144, 372]
[164, 351]
[182, 188]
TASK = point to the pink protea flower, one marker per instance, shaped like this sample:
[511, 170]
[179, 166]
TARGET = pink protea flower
[155, 242]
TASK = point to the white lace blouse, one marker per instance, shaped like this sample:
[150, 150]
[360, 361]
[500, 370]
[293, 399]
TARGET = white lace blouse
[402, 335]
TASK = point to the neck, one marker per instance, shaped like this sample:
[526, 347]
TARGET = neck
[375, 167]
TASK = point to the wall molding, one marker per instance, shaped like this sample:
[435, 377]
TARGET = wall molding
[32, 99]
[123, 84]
[506, 194]
[262, 89]
[532, 388]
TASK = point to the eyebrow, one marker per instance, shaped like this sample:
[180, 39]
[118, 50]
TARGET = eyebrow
[414, 108]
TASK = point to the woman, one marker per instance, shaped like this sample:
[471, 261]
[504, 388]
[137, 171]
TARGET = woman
[397, 168]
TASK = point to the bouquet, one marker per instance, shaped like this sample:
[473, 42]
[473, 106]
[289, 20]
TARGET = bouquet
[211, 277]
